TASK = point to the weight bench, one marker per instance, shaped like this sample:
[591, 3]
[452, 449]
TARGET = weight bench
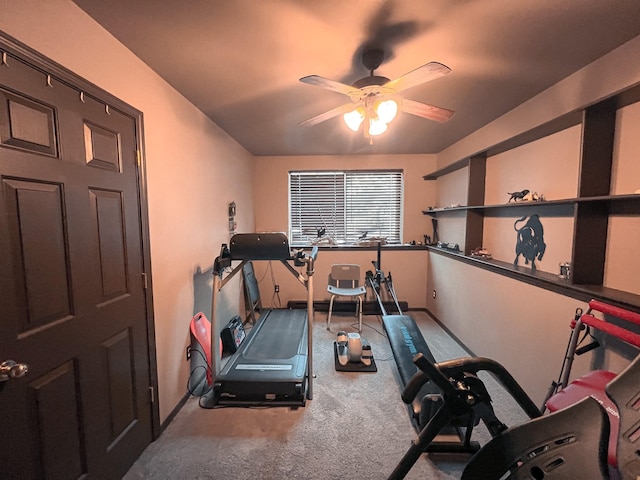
[406, 342]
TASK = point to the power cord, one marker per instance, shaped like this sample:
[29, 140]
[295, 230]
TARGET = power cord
[381, 333]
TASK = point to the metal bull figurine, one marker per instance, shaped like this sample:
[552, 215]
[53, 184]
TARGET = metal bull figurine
[529, 240]
[515, 196]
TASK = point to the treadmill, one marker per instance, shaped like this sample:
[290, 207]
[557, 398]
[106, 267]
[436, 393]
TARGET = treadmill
[273, 365]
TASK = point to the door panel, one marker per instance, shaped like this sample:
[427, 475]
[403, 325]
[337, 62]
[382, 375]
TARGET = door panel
[27, 124]
[58, 411]
[39, 252]
[71, 289]
[107, 208]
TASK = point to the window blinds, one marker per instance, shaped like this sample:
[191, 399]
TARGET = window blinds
[347, 204]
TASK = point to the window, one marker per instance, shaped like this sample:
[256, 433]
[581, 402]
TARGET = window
[345, 206]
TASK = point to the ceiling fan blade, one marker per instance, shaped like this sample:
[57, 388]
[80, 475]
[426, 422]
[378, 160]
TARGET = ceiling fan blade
[322, 82]
[341, 110]
[425, 73]
[423, 110]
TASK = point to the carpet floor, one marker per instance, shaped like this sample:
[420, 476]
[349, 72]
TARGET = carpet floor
[356, 425]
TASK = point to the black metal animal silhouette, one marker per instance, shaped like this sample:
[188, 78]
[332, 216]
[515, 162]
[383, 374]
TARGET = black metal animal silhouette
[515, 196]
[529, 240]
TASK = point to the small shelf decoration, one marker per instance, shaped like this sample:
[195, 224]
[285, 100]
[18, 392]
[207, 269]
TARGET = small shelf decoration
[481, 252]
[525, 196]
[517, 196]
[454, 247]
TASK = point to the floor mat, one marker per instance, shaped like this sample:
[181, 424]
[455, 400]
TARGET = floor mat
[350, 366]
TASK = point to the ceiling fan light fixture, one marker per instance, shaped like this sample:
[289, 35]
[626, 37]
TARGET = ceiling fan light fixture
[354, 118]
[376, 127]
[387, 110]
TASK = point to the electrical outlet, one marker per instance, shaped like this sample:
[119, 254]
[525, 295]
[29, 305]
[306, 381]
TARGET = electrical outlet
[433, 294]
[276, 288]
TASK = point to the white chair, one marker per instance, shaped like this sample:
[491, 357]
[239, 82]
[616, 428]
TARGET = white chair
[344, 281]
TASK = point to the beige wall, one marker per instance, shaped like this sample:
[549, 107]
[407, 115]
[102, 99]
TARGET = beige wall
[271, 208]
[623, 263]
[524, 327]
[189, 164]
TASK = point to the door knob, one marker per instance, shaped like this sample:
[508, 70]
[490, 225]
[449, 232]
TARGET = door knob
[11, 369]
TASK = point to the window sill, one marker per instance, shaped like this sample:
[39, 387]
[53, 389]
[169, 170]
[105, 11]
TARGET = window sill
[362, 247]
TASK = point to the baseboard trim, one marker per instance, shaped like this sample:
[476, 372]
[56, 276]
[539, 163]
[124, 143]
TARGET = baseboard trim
[174, 412]
[368, 307]
[450, 333]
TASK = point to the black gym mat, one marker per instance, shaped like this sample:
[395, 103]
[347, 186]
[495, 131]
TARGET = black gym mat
[352, 367]
[406, 342]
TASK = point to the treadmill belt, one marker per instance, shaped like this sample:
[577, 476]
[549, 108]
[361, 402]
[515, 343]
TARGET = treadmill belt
[270, 366]
[279, 338]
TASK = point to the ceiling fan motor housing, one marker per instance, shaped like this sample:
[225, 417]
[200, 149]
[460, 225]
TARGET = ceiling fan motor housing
[372, 58]
[373, 80]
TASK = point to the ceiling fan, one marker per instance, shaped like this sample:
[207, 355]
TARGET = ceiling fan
[375, 100]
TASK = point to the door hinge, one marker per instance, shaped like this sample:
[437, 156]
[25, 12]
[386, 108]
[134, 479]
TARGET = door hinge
[144, 280]
[138, 158]
[152, 395]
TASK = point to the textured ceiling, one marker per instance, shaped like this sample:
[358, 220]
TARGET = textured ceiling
[240, 61]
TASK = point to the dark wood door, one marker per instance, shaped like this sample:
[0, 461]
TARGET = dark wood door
[72, 296]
